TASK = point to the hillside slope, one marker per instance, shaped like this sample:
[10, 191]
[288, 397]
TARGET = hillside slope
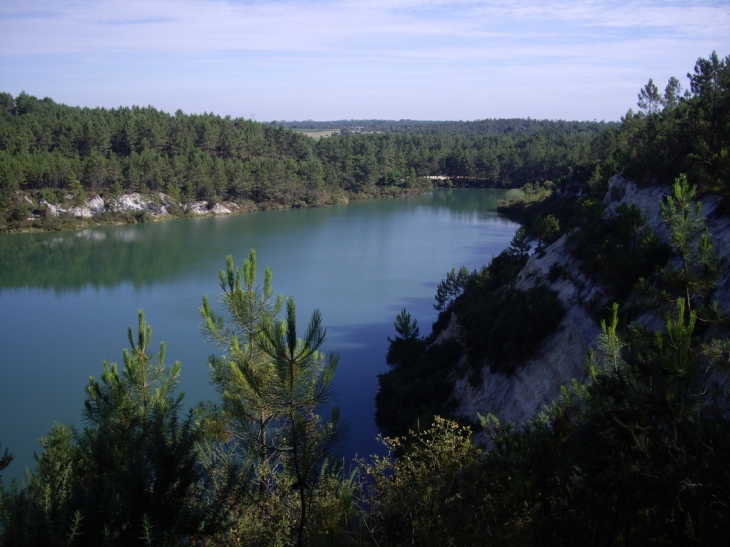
[563, 355]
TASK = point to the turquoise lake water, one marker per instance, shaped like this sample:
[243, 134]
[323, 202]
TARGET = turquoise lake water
[66, 299]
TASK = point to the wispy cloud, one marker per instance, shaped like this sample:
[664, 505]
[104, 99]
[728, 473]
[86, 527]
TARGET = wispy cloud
[334, 42]
[214, 25]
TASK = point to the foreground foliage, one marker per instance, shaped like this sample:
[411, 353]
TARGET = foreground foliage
[130, 477]
[272, 384]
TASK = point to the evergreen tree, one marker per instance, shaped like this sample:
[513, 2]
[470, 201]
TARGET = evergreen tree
[273, 385]
[649, 99]
[138, 470]
[131, 477]
[5, 460]
[407, 345]
[243, 377]
[301, 385]
[651, 448]
[694, 279]
[450, 288]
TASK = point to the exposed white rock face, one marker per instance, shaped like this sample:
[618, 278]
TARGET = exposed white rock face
[649, 200]
[125, 202]
[622, 191]
[452, 330]
[136, 202]
[520, 397]
[220, 209]
[198, 207]
[559, 358]
[54, 210]
[83, 212]
[562, 356]
[97, 205]
[130, 202]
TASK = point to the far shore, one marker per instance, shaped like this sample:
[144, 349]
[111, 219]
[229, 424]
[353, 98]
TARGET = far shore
[137, 208]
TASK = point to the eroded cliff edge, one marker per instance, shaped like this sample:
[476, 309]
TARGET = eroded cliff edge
[563, 355]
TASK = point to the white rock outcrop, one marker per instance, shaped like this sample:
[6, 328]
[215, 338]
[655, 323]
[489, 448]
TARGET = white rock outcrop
[97, 205]
[130, 202]
[220, 209]
[54, 210]
[126, 202]
[157, 206]
[82, 212]
[198, 207]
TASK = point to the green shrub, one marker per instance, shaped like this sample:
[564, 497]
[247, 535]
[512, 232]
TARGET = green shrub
[618, 251]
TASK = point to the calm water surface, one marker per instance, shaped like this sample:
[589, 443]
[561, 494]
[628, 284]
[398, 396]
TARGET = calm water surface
[66, 299]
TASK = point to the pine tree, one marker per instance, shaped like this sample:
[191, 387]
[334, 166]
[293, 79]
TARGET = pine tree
[450, 288]
[6, 458]
[131, 477]
[649, 456]
[407, 346]
[696, 276]
[243, 376]
[273, 385]
[138, 469]
[301, 384]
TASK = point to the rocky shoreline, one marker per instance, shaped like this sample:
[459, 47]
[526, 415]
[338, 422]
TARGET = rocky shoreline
[132, 207]
[136, 207]
[157, 205]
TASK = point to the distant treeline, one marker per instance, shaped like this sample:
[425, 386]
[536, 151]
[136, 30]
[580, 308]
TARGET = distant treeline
[49, 151]
[509, 127]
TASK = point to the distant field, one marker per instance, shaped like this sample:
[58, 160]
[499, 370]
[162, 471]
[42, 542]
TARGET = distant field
[318, 133]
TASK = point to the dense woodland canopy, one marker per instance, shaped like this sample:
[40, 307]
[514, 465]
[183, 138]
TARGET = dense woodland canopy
[638, 454]
[49, 151]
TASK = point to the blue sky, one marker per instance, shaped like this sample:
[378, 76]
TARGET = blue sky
[323, 60]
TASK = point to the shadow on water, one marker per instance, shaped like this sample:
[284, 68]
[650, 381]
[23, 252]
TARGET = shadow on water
[362, 350]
